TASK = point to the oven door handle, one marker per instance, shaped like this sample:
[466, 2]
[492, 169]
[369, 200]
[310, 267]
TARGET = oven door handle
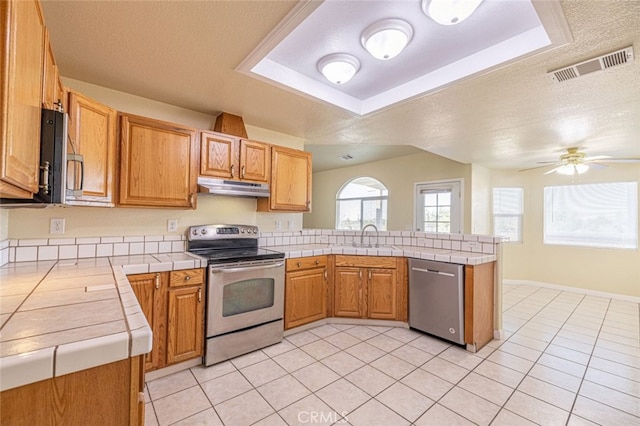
[247, 268]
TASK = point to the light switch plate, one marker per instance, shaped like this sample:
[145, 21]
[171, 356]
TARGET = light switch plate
[56, 226]
[172, 225]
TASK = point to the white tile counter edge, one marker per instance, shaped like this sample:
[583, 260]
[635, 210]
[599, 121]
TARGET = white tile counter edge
[22, 369]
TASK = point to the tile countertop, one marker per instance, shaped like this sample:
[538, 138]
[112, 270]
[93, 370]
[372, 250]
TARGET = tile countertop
[428, 253]
[59, 317]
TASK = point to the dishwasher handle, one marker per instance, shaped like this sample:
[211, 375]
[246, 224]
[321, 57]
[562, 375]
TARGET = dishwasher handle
[446, 274]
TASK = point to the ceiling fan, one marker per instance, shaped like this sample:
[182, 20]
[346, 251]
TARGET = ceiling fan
[576, 162]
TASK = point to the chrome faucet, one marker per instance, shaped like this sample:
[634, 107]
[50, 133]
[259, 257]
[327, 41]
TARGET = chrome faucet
[362, 234]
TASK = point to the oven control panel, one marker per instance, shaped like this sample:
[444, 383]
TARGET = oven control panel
[214, 232]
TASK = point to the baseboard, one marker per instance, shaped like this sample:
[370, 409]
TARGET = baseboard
[605, 294]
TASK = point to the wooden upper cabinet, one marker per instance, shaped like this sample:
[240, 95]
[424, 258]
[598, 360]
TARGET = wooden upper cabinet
[219, 155]
[254, 161]
[290, 181]
[50, 81]
[92, 133]
[228, 157]
[21, 71]
[158, 163]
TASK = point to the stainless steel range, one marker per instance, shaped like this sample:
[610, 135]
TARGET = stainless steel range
[245, 290]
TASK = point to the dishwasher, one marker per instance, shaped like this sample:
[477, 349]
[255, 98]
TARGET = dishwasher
[436, 299]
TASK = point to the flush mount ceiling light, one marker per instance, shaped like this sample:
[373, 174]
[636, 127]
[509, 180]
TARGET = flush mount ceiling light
[449, 12]
[386, 39]
[338, 68]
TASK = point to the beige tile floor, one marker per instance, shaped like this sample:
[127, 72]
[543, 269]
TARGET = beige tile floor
[568, 359]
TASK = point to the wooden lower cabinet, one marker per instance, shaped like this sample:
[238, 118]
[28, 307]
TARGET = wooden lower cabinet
[173, 304]
[185, 331]
[109, 394]
[478, 304]
[372, 287]
[305, 290]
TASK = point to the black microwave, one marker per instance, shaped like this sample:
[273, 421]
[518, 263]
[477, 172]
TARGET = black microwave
[53, 163]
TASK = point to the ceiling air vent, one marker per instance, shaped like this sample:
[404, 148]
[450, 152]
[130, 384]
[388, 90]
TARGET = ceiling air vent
[609, 60]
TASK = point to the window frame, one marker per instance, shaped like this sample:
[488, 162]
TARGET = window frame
[382, 198]
[585, 239]
[457, 203]
[519, 217]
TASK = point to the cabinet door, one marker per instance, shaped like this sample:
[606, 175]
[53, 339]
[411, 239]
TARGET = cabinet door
[185, 329]
[150, 290]
[347, 294]
[92, 133]
[219, 156]
[50, 77]
[290, 181]
[254, 161]
[305, 297]
[158, 164]
[21, 65]
[382, 294]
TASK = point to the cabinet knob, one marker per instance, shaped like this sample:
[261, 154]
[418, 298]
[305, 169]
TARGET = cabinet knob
[317, 262]
[187, 278]
[299, 264]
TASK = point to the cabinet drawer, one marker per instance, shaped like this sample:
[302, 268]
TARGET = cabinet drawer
[306, 263]
[366, 261]
[186, 277]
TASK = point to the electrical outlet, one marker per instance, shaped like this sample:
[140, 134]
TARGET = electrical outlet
[278, 225]
[172, 225]
[56, 226]
[291, 224]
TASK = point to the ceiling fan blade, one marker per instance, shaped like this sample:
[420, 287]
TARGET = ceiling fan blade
[596, 157]
[620, 160]
[552, 170]
[555, 163]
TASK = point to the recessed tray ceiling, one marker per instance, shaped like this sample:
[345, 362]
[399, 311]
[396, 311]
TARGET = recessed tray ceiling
[497, 33]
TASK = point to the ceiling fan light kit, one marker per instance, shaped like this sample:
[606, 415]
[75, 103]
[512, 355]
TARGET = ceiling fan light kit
[387, 38]
[575, 162]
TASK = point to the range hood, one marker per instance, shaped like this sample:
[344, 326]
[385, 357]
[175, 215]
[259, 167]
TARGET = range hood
[207, 185]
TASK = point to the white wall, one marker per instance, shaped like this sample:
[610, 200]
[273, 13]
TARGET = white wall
[599, 269]
[94, 221]
[398, 175]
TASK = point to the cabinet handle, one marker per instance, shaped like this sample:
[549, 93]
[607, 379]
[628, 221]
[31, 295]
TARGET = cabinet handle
[369, 275]
[232, 166]
[157, 281]
[325, 275]
[360, 273]
[199, 295]
[242, 171]
[191, 199]
[45, 178]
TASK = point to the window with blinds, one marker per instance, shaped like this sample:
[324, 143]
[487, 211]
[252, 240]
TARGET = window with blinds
[592, 215]
[508, 211]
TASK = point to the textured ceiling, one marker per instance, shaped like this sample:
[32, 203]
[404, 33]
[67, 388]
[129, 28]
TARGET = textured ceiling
[184, 53]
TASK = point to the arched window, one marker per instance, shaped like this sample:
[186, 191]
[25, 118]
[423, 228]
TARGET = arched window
[362, 201]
